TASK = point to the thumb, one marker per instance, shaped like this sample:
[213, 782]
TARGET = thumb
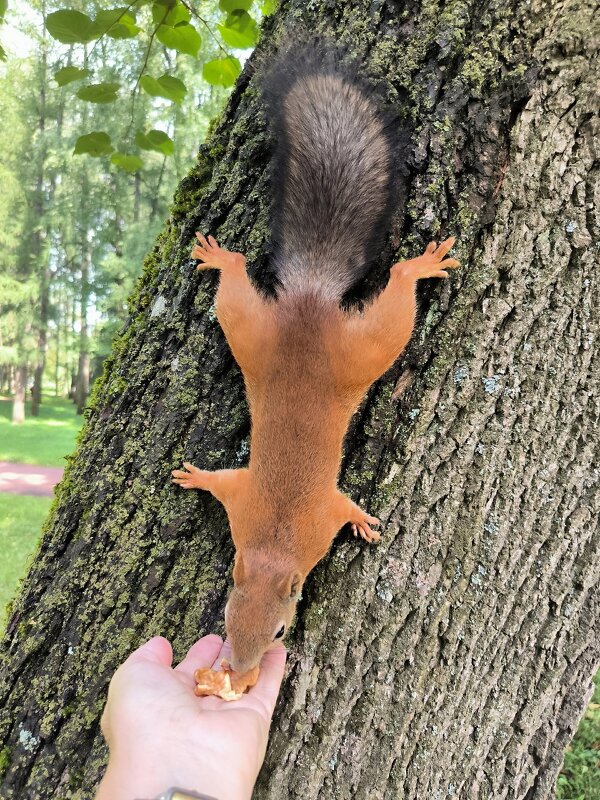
[272, 669]
[157, 650]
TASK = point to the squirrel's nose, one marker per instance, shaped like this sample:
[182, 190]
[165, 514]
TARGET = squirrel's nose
[241, 666]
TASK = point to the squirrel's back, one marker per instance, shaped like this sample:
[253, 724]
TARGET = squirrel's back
[334, 173]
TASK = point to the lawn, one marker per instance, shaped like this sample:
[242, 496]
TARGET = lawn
[580, 776]
[42, 440]
[21, 518]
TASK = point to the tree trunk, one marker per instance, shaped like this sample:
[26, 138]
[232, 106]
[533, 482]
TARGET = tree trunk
[42, 197]
[18, 410]
[42, 349]
[454, 659]
[83, 365]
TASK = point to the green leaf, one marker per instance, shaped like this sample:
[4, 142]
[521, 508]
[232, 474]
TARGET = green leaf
[166, 3]
[268, 7]
[116, 23]
[70, 74]
[155, 140]
[221, 71]
[71, 27]
[184, 38]
[99, 92]
[126, 162]
[2, 53]
[94, 144]
[3, 7]
[173, 17]
[233, 5]
[166, 86]
[239, 30]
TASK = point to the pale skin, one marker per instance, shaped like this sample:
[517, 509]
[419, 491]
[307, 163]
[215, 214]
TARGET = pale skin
[366, 345]
[161, 735]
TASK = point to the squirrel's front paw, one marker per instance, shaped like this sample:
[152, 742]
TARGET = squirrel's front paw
[192, 479]
[361, 526]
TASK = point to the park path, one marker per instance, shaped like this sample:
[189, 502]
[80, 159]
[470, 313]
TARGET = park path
[29, 479]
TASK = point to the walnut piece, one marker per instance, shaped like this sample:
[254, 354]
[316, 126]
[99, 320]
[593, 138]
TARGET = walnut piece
[225, 683]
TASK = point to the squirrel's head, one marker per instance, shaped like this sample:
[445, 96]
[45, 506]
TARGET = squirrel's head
[261, 606]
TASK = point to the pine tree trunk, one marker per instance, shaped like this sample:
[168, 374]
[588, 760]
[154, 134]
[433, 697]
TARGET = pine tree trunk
[20, 390]
[82, 386]
[454, 659]
[42, 197]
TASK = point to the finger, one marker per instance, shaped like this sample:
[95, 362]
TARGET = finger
[373, 520]
[157, 650]
[430, 247]
[200, 655]
[450, 263]
[179, 473]
[202, 240]
[354, 530]
[212, 241]
[441, 274]
[190, 467]
[272, 670]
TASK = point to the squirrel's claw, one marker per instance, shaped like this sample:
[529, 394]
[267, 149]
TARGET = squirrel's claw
[365, 532]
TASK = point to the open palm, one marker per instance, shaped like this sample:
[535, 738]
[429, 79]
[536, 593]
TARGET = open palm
[160, 734]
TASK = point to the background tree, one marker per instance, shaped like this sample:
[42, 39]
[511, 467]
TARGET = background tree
[455, 658]
[83, 222]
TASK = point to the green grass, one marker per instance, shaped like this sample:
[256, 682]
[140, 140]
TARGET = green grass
[580, 776]
[21, 518]
[42, 440]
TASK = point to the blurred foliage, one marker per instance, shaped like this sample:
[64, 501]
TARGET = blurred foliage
[103, 111]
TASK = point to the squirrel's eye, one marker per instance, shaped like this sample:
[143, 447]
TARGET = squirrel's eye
[280, 632]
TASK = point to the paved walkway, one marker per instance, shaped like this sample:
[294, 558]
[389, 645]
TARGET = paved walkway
[29, 479]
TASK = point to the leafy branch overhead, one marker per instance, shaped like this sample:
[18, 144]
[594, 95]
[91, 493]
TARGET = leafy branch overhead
[172, 24]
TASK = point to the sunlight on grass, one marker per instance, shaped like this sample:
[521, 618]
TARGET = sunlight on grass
[43, 440]
[580, 776]
[21, 519]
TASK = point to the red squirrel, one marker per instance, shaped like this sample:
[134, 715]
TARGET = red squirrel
[307, 363]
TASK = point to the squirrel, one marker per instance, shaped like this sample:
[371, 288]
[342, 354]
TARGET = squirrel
[307, 362]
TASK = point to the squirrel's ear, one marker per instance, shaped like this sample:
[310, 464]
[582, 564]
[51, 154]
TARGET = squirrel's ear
[289, 586]
[238, 569]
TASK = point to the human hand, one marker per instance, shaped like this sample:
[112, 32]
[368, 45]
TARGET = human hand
[160, 734]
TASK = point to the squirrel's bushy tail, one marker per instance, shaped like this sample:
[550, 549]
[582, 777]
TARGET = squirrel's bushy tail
[334, 172]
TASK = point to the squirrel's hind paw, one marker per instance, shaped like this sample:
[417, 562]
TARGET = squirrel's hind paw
[431, 264]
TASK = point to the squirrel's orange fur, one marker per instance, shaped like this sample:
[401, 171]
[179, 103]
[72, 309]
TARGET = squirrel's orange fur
[307, 365]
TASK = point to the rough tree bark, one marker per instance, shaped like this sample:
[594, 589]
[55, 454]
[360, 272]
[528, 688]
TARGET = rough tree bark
[455, 659]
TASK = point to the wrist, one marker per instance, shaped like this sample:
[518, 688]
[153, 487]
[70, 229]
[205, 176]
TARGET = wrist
[126, 778]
